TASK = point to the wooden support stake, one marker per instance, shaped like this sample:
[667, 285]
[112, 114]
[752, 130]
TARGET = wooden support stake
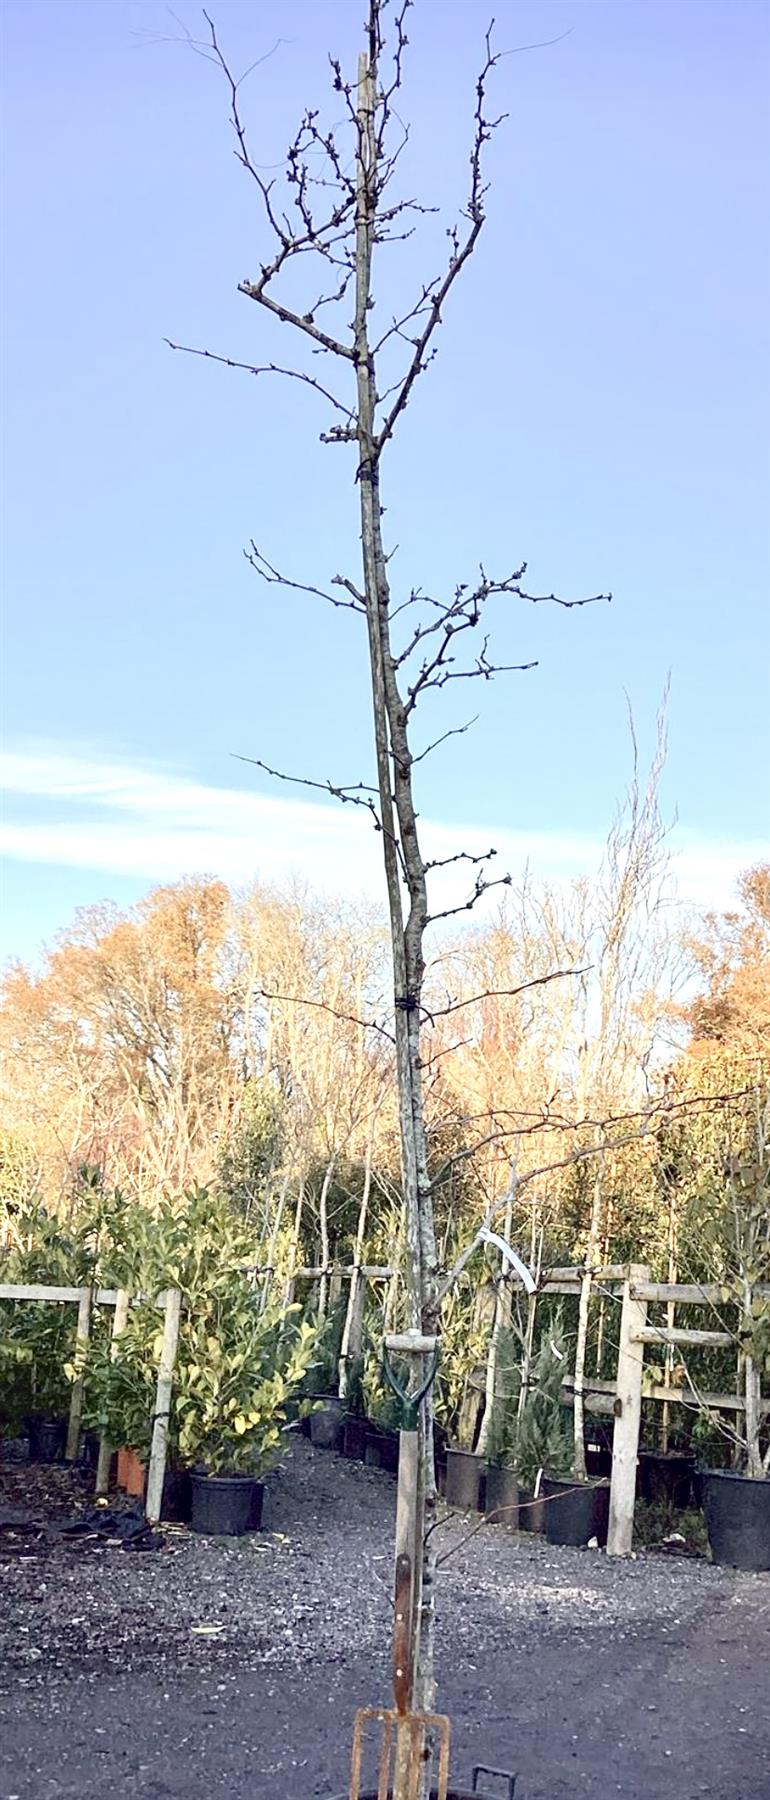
[106, 1448]
[664, 1334]
[81, 1352]
[689, 1293]
[628, 1413]
[157, 1469]
[39, 1290]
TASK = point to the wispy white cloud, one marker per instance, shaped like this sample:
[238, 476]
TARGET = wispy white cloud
[77, 810]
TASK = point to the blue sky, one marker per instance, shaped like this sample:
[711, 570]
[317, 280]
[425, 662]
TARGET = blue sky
[599, 407]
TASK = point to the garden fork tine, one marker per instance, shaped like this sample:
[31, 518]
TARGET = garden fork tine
[394, 1725]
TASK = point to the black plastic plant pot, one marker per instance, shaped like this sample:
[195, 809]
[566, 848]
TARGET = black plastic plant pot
[89, 1449]
[327, 1424]
[737, 1509]
[176, 1505]
[47, 1438]
[257, 1502]
[463, 1479]
[502, 1497]
[381, 1449]
[531, 1512]
[389, 1446]
[666, 1478]
[354, 1437]
[575, 1511]
[221, 1504]
[373, 1451]
[598, 1448]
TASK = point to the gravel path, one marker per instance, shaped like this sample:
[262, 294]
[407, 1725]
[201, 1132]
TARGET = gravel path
[235, 1666]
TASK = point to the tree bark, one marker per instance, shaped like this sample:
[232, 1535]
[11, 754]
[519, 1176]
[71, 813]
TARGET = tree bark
[581, 1343]
[350, 1345]
[402, 859]
[501, 1322]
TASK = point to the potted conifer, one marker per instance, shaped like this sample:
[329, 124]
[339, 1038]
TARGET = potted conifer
[355, 1425]
[576, 1507]
[502, 1475]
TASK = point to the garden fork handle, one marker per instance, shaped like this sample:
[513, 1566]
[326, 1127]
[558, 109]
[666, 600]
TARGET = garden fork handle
[402, 1634]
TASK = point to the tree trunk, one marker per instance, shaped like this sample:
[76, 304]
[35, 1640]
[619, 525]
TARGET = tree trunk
[753, 1418]
[269, 1278]
[670, 1359]
[351, 1343]
[402, 858]
[323, 1221]
[581, 1342]
[536, 1264]
[501, 1322]
[288, 1292]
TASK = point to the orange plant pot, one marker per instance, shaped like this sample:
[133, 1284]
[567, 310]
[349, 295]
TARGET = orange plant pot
[131, 1472]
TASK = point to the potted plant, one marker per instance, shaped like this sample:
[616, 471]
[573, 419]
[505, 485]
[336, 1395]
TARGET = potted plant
[241, 1358]
[121, 1397]
[502, 1478]
[440, 1453]
[35, 1395]
[575, 1508]
[598, 1446]
[355, 1423]
[731, 1213]
[36, 1338]
[236, 1375]
[502, 1484]
[326, 1413]
[665, 1477]
[383, 1419]
[43, 1339]
[459, 1389]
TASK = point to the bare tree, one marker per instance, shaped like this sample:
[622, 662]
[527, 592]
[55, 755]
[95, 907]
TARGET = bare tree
[339, 204]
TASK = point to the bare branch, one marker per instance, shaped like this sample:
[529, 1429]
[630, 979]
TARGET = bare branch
[344, 581]
[464, 612]
[460, 252]
[437, 673]
[255, 290]
[438, 1012]
[323, 1006]
[454, 731]
[313, 236]
[607, 1145]
[481, 887]
[349, 796]
[269, 369]
[273, 577]
[555, 599]
[445, 862]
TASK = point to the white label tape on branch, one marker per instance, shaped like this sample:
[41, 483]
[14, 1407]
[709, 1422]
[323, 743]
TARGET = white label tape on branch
[492, 1237]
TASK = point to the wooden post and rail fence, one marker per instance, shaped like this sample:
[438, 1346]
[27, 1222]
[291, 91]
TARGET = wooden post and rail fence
[628, 1284]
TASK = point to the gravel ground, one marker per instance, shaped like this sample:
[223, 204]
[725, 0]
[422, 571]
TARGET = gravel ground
[235, 1665]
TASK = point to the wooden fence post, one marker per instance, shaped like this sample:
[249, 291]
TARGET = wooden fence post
[157, 1469]
[81, 1352]
[105, 1447]
[628, 1412]
[351, 1347]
